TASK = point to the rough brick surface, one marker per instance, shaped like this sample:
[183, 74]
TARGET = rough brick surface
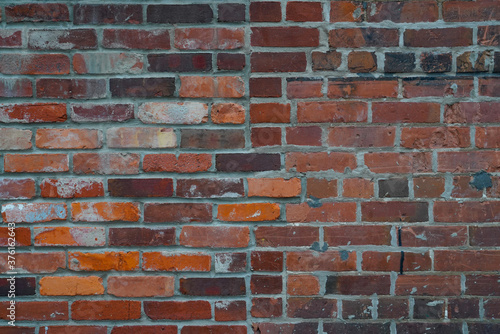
[250, 166]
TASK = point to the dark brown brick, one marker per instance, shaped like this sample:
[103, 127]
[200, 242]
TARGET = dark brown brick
[446, 37]
[177, 212]
[266, 307]
[338, 327]
[395, 211]
[227, 286]
[427, 327]
[107, 14]
[485, 236]
[278, 62]
[312, 308]
[231, 12]
[435, 62]
[295, 328]
[265, 11]
[140, 187]
[49, 12]
[101, 112]
[268, 136]
[357, 309]
[361, 37]
[471, 61]
[141, 236]
[142, 87]
[210, 188]
[326, 61]
[23, 286]
[181, 62]
[230, 61]
[462, 308]
[201, 13]
[395, 187]
[428, 309]
[358, 285]
[212, 139]
[266, 261]
[391, 308]
[397, 62]
[265, 87]
[247, 162]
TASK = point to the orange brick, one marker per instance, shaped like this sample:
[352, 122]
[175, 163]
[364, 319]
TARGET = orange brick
[70, 236]
[194, 86]
[71, 286]
[358, 188]
[228, 113]
[23, 236]
[302, 285]
[248, 212]
[122, 261]
[36, 163]
[165, 261]
[105, 211]
[184, 163]
[274, 187]
[141, 286]
[68, 138]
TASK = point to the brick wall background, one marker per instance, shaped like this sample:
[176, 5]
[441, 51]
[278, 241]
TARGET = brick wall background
[251, 166]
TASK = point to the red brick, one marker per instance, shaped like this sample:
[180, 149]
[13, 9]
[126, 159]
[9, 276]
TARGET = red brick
[70, 236]
[266, 261]
[285, 37]
[178, 310]
[105, 310]
[230, 310]
[184, 163]
[35, 262]
[177, 212]
[265, 87]
[433, 137]
[214, 329]
[68, 138]
[120, 261]
[212, 139]
[266, 284]
[347, 11]
[266, 307]
[488, 137]
[278, 62]
[106, 163]
[358, 188]
[460, 11]
[37, 310]
[72, 188]
[298, 88]
[35, 163]
[489, 86]
[71, 88]
[33, 113]
[467, 212]
[471, 161]
[462, 188]
[427, 285]
[266, 136]
[275, 187]
[82, 113]
[391, 261]
[209, 39]
[482, 285]
[362, 88]
[304, 162]
[394, 211]
[327, 212]
[399, 12]
[491, 308]
[302, 285]
[164, 261]
[466, 260]
[397, 112]
[11, 38]
[326, 261]
[361, 37]
[227, 113]
[22, 234]
[270, 113]
[301, 11]
[419, 87]
[248, 212]
[304, 135]
[428, 186]
[361, 136]
[404, 162]
[332, 112]
[17, 188]
[358, 285]
[201, 87]
[140, 187]
[487, 236]
[60, 39]
[283, 236]
[265, 12]
[107, 14]
[312, 308]
[16, 63]
[215, 236]
[73, 329]
[433, 236]
[105, 211]
[347, 235]
[159, 329]
[156, 39]
[33, 212]
[446, 37]
[321, 188]
[50, 12]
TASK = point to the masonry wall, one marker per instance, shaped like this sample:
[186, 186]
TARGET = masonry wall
[250, 166]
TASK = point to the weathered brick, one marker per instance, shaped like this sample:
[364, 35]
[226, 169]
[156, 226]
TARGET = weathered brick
[210, 188]
[363, 37]
[398, 62]
[459, 11]
[107, 63]
[33, 212]
[391, 261]
[428, 285]
[471, 112]
[469, 62]
[488, 35]
[32, 113]
[68, 138]
[433, 236]
[16, 87]
[173, 113]
[35, 163]
[59, 39]
[489, 86]
[419, 87]
[274, 187]
[141, 137]
[230, 310]
[35, 262]
[184, 163]
[304, 162]
[17, 63]
[106, 163]
[37, 310]
[446, 37]
[431, 62]
[157, 39]
[404, 162]
[266, 307]
[82, 113]
[70, 236]
[107, 14]
[141, 286]
[212, 139]
[312, 308]
[248, 212]
[326, 261]
[49, 12]
[15, 139]
[209, 39]
[227, 113]
[202, 87]
[362, 62]
[357, 309]
[230, 262]
[327, 61]
[347, 11]
[105, 211]
[17, 188]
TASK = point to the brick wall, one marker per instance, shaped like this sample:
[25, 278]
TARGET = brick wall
[251, 166]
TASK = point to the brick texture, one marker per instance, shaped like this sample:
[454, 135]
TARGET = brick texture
[250, 166]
